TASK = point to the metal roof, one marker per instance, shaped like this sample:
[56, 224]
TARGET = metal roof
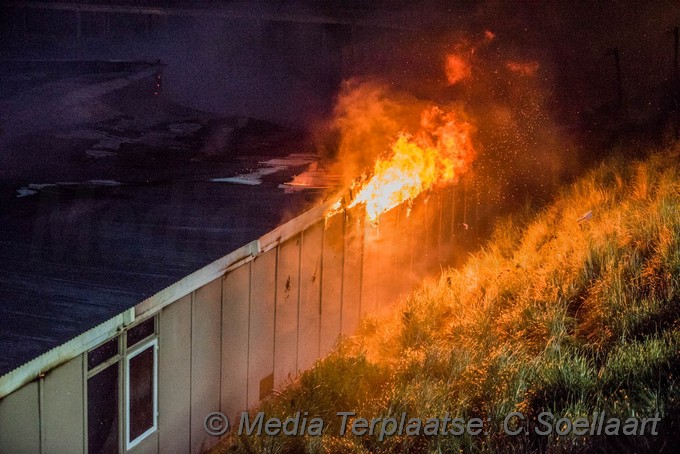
[92, 238]
[27, 372]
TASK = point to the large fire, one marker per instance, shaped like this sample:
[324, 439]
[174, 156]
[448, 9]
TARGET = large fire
[434, 156]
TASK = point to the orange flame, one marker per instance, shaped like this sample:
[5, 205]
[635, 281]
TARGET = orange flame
[458, 63]
[523, 68]
[457, 68]
[435, 156]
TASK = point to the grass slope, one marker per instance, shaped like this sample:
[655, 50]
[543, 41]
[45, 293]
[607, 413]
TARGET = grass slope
[551, 315]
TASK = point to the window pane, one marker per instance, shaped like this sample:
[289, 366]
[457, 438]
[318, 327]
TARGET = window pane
[140, 332]
[141, 396]
[102, 353]
[102, 411]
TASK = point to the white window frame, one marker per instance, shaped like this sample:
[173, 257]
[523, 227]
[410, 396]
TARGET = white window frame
[153, 343]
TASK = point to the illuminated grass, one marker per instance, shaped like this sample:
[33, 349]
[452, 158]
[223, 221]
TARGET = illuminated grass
[551, 315]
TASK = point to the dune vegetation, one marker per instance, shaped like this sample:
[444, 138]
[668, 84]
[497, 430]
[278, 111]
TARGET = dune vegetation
[552, 314]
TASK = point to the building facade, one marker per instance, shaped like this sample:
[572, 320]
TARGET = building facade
[222, 338]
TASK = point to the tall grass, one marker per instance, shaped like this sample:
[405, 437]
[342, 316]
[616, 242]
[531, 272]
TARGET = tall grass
[552, 315]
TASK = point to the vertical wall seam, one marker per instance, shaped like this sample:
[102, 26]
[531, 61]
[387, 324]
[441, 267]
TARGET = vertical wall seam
[323, 239]
[159, 377]
[477, 233]
[464, 203]
[83, 395]
[439, 239]
[453, 210]
[276, 298]
[342, 273]
[428, 223]
[83, 372]
[412, 229]
[250, 280]
[122, 395]
[299, 304]
[362, 250]
[41, 413]
[191, 369]
[219, 389]
[376, 276]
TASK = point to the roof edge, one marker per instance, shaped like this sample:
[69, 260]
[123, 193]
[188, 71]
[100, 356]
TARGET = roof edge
[40, 365]
[49, 360]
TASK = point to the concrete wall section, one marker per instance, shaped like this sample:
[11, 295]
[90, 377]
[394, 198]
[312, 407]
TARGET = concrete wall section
[206, 354]
[174, 377]
[235, 316]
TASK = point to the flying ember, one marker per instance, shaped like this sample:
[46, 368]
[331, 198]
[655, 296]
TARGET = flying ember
[434, 156]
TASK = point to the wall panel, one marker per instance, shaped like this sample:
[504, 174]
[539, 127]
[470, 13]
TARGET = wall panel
[352, 295]
[420, 237]
[235, 316]
[20, 421]
[387, 271]
[331, 285]
[261, 333]
[62, 420]
[206, 344]
[402, 253]
[370, 269]
[174, 377]
[310, 293]
[287, 301]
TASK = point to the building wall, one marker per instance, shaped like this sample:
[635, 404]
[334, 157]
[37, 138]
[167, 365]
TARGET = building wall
[309, 317]
[330, 309]
[20, 420]
[206, 354]
[261, 327]
[62, 408]
[287, 311]
[233, 340]
[47, 415]
[174, 377]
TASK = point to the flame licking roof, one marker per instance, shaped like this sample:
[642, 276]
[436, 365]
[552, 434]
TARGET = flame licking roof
[432, 157]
